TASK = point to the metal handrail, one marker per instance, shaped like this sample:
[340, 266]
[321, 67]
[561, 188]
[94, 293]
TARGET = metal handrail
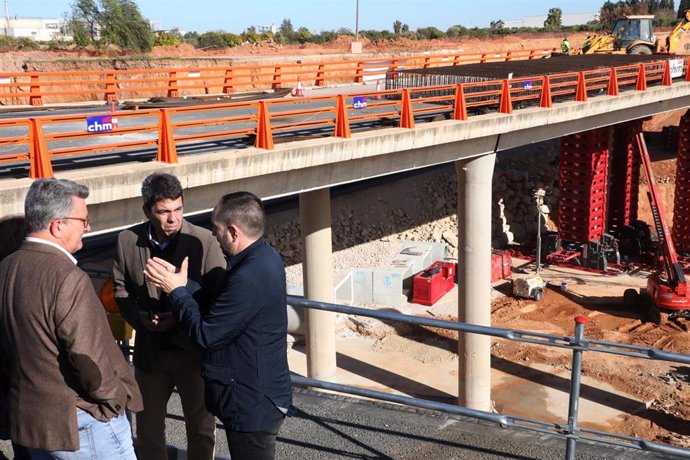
[578, 344]
[38, 88]
[159, 129]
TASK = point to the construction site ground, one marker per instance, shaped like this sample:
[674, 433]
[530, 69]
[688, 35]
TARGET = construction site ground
[644, 398]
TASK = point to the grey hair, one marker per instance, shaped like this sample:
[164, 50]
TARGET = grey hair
[49, 200]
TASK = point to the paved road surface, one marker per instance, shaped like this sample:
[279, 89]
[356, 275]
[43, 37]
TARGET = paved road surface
[336, 427]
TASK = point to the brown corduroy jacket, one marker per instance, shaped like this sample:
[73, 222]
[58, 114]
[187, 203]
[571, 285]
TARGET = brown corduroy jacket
[57, 353]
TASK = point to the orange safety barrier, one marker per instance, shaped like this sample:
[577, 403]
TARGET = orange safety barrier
[342, 123]
[613, 82]
[37, 88]
[641, 79]
[545, 101]
[157, 128]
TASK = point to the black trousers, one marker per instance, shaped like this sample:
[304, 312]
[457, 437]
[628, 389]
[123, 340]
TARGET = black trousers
[259, 445]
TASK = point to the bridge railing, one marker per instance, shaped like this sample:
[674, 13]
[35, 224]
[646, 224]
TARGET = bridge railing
[42, 139]
[578, 344]
[38, 88]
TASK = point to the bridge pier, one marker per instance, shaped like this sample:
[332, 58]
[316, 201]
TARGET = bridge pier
[474, 178]
[317, 274]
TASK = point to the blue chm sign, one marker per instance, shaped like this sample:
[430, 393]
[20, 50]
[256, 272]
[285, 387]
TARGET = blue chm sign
[100, 123]
[359, 102]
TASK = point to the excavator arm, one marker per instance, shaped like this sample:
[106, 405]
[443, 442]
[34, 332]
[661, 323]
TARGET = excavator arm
[674, 37]
[673, 270]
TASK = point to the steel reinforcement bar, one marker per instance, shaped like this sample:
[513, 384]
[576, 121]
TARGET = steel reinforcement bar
[578, 344]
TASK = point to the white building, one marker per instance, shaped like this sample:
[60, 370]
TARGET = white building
[35, 28]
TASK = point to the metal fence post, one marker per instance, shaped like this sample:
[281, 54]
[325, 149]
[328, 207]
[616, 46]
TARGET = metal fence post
[573, 430]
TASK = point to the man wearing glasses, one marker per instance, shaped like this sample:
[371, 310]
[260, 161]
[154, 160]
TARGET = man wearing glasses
[164, 357]
[64, 384]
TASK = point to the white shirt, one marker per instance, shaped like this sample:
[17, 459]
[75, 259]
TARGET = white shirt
[50, 243]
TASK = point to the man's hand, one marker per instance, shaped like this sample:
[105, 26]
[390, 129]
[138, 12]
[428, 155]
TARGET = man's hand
[157, 321]
[164, 275]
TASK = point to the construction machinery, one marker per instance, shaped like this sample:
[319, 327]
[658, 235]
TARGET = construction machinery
[634, 35]
[666, 288]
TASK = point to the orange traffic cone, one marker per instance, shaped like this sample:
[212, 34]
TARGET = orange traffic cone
[378, 88]
[299, 92]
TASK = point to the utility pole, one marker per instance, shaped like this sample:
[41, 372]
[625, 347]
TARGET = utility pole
[7, 17]
[356, 20]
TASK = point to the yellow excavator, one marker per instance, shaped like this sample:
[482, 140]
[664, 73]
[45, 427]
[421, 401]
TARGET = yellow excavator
[634, 35]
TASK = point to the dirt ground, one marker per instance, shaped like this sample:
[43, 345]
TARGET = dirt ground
[660, 390]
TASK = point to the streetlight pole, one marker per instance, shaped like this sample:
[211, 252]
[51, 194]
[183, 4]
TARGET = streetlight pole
[357, 21]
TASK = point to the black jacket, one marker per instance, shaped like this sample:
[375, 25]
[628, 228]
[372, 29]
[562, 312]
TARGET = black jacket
[244, 340]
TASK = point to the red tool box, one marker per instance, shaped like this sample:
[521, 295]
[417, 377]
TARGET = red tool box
[432, 283]
[500, 265]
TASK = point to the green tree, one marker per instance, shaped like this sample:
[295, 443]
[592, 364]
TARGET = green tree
[167, 39]
[212, 40]
[397, 27]
[429, 33]
[250, 35]
[123, 25]
[553, 18]
[682, 7]
[117, 22]
[496, 26]
[84, 22]
[303, 35]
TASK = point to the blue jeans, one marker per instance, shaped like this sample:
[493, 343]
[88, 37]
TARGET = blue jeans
[97, 440]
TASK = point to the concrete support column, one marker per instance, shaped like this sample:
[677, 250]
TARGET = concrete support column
[474, 279]
[317, 273]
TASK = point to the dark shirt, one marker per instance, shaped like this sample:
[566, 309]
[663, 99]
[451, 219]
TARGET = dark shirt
[244, 340]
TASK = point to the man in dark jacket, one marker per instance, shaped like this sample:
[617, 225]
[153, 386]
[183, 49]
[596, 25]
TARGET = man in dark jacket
[244, 335]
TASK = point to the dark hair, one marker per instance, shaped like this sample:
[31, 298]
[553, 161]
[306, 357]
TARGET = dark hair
[243, 209]
[11, 234]
[50, 199]
[160, 186]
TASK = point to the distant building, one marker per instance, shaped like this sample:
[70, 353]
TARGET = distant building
[575, 19]
[264, 29]
[34, 28]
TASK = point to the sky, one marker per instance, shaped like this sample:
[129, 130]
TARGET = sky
[319, 15]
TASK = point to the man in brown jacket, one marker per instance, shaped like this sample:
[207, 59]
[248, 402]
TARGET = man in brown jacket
[64, 384]
[164, 356]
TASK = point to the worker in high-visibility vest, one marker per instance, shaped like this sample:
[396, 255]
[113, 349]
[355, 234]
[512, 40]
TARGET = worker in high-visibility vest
[565, 45]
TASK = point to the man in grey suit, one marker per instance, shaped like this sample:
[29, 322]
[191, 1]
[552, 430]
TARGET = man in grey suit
[164, 357]
[64, 384]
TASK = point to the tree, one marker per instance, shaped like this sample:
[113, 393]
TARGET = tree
[117, 22]
[553, 18]
[496, 25]
[84, 22]
[397, 27]
[303, 35]
[683, 5]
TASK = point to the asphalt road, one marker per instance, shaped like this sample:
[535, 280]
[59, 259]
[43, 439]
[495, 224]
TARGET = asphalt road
[336, 427]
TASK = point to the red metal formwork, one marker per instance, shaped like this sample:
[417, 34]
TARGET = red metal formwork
[681, 205]
[583, 182]
[625, 175]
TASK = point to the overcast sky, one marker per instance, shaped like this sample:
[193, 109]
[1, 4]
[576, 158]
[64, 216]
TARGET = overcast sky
[317, 15]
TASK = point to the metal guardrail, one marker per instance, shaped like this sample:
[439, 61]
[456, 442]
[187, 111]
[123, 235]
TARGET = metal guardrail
[37, 88]
[578, 344]
[39, 139]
